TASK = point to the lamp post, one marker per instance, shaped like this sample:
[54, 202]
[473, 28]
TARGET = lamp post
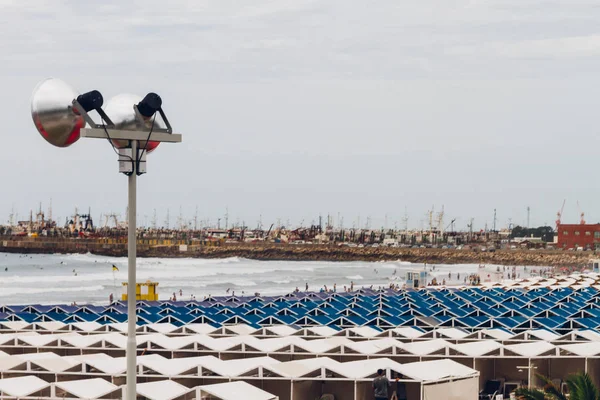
[529, 368]
[60, 116]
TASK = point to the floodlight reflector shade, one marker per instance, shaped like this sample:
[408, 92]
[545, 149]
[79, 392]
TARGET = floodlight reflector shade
[149, 105]
[91, 100]
[53, 114]
[121, 112]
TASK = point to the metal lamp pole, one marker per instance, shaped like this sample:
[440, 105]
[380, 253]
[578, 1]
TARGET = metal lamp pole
[133, 159]
[529, 367]
[58, 113]
[131, 352]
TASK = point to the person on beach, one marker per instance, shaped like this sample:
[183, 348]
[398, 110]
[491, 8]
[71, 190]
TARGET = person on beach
[400, 392]
[334, 287]
[380, 386]
[306, 290]
[110, 299]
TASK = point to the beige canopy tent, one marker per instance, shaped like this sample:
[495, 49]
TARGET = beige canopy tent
[234, 391]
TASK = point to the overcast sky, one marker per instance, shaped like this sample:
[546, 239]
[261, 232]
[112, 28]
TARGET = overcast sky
[289, 108]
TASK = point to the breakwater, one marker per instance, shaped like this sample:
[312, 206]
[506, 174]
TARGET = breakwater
[271, 251]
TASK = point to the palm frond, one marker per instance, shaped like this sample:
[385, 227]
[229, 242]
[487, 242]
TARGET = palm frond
[581, 387]
[551, 389]
[530, 394]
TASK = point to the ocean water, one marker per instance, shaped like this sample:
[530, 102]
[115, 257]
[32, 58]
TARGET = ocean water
[86, 278]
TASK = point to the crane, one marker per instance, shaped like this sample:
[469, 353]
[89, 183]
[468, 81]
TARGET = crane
[559, 214]
[269, 231]
[451, 224]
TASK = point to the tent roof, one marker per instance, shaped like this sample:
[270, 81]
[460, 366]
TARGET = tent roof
[55, 364]
[164, 327]
[38, 356]
[173, 366]
[372, 346]
[364, 331]
[589, 335]
[322, 330]
[531, 349]
[200, 328]
[161, 390]
[300, 368]
[452, 333]
[425, 347]
[427, 371]
[87, 326]
[111, 366]
[22, 386]
[237, 390]
[239, 366]
[241, 329]
[364, 368]
[476, 348]
[51, 325]
[281, 330]
[499, 334]
[87, 388]
[543, 334]
[582, 349]
[319, 346]
[408, 332]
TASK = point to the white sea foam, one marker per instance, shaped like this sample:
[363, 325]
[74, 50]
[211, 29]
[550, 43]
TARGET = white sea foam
[12, 291]
[281, 281]
[355, 277]
[48, 279]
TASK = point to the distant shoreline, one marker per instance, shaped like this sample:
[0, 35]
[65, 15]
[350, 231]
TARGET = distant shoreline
[287, 252]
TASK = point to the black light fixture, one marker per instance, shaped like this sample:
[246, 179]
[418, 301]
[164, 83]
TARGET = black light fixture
[149, 105]
[91, 100]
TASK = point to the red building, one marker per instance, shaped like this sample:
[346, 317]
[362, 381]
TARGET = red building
[572, 236]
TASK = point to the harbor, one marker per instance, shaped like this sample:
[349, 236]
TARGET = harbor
[290, 252]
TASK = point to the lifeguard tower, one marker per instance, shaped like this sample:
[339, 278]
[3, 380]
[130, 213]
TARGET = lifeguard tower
[416, 279]
[143, 291]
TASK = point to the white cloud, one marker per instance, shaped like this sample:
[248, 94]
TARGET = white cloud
[556, 48]
[390, 94]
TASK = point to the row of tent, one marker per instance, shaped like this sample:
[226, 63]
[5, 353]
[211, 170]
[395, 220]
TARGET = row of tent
[156, 365]
[193, 344]
[471, 308]
[30, 386]
[100, 376]
[365, 332]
